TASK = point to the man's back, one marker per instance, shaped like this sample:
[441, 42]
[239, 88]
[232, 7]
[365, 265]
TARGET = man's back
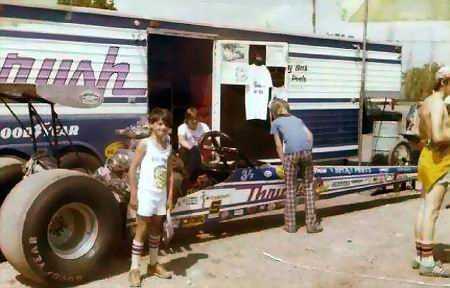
[433, 118]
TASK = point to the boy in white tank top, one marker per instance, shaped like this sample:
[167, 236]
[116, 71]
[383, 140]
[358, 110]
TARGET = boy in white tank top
[150, 194]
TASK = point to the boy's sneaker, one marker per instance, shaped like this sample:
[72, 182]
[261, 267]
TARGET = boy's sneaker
[134, 278]
[159, 271]
[434, 271]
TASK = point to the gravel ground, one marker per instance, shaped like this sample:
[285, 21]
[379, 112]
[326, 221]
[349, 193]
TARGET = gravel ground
[367, 242]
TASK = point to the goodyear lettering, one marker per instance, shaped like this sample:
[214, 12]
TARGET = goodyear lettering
[19, 133]
[40, 263]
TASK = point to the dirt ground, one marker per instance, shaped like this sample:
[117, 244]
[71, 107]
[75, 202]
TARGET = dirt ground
[367, 242]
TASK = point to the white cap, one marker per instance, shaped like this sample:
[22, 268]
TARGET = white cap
[443, 72]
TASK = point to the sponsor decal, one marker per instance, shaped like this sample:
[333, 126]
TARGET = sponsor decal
[112, 148]
[238, 212]
[214, 209]
[193, 221]
[350, 170]
[247, 174]
[340, 184]
[191, 201]
[187, 201]
[89, 97]
[224, 215]
[217, 197]
[51, 72]
[279, 171]
[17, 132]
[261, 193]
[268, 174]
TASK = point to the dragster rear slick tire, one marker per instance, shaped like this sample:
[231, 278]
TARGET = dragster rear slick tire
[57, 226]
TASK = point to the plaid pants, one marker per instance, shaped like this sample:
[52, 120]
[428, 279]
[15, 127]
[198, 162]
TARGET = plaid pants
[293, 162]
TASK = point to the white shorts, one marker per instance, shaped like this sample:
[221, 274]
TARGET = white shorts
[151, 203]
[444, 180]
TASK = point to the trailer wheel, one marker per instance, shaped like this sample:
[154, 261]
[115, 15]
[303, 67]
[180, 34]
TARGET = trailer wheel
[80, 161]
[401, 155]
[57, 225]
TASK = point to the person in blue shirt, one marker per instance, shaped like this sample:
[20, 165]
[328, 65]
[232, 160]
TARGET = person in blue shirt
[294, 141]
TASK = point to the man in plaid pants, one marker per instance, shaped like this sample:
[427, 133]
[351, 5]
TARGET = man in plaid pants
[296, 156]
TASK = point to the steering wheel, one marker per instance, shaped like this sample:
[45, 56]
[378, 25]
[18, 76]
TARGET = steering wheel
[220, 144]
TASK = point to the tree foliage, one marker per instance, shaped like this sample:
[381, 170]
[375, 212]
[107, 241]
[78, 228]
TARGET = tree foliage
[418, 82]
[101, 4]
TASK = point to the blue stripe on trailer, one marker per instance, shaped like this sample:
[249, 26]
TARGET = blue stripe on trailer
[72, 38]
[236, 34]
[79, 127]
[335, 154]
[331, 127]
[320, 100]
[34, 13]
[125, 100]
[343, 58]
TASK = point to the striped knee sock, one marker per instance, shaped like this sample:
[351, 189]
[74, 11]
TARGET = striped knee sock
[137, 250]
[427, 254]
[153, 247]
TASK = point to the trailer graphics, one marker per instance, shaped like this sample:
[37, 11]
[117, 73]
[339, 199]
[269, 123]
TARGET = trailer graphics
[84, 71]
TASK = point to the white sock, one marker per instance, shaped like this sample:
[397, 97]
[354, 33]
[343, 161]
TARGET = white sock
[137, 249]
[135, 260]
[428, 261]
[153, 247]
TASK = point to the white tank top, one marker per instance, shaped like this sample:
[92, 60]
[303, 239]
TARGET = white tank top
[153, 172]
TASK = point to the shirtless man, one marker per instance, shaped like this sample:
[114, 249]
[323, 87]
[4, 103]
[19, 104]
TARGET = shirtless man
[433, 172]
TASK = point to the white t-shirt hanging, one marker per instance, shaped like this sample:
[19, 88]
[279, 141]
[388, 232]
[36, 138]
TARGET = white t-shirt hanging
[257, 92]
[192, 136]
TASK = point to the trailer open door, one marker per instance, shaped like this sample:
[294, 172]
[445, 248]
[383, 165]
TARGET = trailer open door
[231, 65]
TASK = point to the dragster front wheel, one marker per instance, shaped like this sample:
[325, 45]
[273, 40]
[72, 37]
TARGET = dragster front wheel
[56, 226]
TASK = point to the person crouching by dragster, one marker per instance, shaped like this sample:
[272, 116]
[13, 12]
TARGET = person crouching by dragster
[150, 195]
[433, 172]
[296, 155]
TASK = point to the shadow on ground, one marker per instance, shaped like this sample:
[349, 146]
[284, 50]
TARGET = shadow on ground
[184, 237]
[442, 252]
